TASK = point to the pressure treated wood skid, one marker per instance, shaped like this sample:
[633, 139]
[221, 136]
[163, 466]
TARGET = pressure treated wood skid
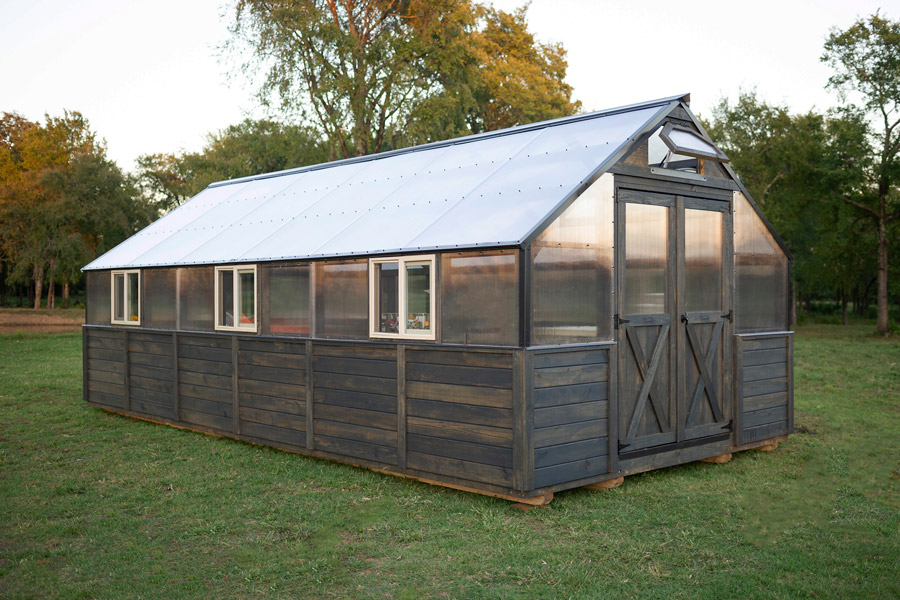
[519, 424]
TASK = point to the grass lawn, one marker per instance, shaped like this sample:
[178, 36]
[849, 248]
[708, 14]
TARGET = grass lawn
[95, 505]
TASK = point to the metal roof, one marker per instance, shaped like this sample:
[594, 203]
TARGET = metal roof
[491, 189]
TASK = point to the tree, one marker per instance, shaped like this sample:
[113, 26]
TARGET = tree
[502, 77]
[374, 74]
[797, 167]
[248, 148]
[866, 62]
[61, 201]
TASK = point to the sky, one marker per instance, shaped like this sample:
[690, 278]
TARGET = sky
[149, 77]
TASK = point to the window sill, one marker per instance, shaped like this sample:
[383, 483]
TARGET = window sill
[232, 329]
[399, 336]
[131, 323]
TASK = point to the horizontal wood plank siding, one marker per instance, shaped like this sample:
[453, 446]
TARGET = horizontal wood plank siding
[271, 385]
[205, 382]
[355, 401]
[459, 416]
[571, 414]
[104, 367]
[765, 386]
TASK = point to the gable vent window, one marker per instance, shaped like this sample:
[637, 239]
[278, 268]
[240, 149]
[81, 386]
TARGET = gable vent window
[236, 298]
[678, 148]
[126, 297]
[401, 297]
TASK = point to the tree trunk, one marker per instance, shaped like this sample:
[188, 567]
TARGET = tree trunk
[793, 305]
[51, 287]
[65, 299]
[844, 308]
[38, 285]
[882, 323]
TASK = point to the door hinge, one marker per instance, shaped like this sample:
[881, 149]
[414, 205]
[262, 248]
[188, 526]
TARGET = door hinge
[618, 320]
[684, 319]
[729, 316]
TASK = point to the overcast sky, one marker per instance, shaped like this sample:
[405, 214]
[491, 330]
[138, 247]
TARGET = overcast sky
[148, 77]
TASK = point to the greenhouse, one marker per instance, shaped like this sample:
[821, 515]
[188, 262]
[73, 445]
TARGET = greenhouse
[515, 313]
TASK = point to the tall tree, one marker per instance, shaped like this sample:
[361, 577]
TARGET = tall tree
[61, 200]
[374, 74]
[866, 62]
[248, 148]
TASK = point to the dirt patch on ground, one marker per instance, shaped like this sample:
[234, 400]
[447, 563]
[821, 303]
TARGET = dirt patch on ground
[28, 321]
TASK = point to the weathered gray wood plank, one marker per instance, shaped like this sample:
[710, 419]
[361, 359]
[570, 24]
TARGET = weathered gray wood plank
[460, 394]
[275, 419]
[352, 399]
[571, 358]
[564, 453]
[494, 360]
[463, 432]
[359, 433]
[355, 366]
[572, 471]
[355, 416]
[471, 471]
[356, 383]
[572, 413]
[570, 394]
[490, 455]
[268, 433]
[572, 432]
[460, 413]
[556, 376]
[473, 376]
[283, 405]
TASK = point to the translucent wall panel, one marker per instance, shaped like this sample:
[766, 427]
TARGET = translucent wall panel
[480, 297]
[761, 273]
[342, 305]
[284, 297]
[572, 273]
[118, 305]
[196, 299]
[646, 258]
[702, 260]
[98, 301]
[159, 298]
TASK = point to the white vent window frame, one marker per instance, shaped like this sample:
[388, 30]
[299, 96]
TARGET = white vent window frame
[404, 332]
[126, 296]
[236, 308]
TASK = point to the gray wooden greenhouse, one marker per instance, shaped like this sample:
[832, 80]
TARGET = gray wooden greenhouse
[515, 313]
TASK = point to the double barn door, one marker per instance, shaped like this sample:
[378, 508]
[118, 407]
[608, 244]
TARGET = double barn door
[674, 319]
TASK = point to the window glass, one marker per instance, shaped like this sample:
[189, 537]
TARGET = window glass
[226, 298]
[134, 311]
[119, 297]
[388, 297]
[418, 296]
[247, 290]
[480, 298]
[285, 299]
[646, 258]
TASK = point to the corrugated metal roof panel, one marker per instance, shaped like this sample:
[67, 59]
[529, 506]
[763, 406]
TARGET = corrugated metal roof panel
[486, 190]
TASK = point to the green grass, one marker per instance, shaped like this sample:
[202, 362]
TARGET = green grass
[93, 505]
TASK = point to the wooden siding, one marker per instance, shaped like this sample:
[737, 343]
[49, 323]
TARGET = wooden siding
[355, 401]
[151, 377]
[763, 367]
[571, 414]
[104, 367]
[459, 408]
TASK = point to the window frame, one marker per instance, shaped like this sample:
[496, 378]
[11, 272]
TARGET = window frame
[717, 155]
[125, 297]
[236, 270]
[402, 284]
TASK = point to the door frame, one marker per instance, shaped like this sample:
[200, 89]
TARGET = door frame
[679, 355]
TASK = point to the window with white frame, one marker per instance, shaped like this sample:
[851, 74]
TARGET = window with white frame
[126, 297]
[236, 298]
[401, 297]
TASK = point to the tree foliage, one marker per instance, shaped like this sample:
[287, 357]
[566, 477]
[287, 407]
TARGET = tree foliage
[866, 62]
[62, 202]
[248, 148]
[374, 74]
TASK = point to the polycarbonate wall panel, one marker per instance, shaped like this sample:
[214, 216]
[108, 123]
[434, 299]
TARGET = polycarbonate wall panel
[761, 273]
[284, 299]
[342, 300]
[480, 298]
[646, 258]
[702, 260]
[160, 298]
[196, 299]
[572, 271]
[98, 301]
